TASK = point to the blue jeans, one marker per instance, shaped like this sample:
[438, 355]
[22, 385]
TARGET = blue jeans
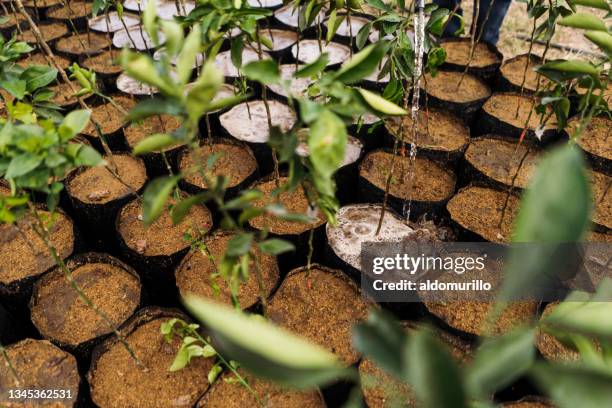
[490, 32]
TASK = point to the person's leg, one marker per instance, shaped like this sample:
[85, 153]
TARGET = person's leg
[454, 24]
[494, 19]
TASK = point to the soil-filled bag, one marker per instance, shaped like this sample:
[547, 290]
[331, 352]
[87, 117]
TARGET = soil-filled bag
[356, 224]
[234, 160]
[78, 45]
[602, 200]
[440, 135]
[155, 250]
[485, 61]
[39, 58]
[297, 87]
[15, 22]
[321, 305]
[111, 22]
[24, 257]
[157, 163]
[198, 274]
[461, 95]
[110, 117]
[298, 233]
[61, 316]
[496, 162]
[595, 141]
[288, 17]
[308, 51]
[370, 129]
[51, 33]
[97, 195]
[117, 380]
[226, 392]
[39, 8]
[347, 30]
[39, 366]
[74, 14]
[248, 123]
[518, 74]
[64, 95]
[478, 214]
[551, 348]
[281, 40]
[499, 116]
[425, 183]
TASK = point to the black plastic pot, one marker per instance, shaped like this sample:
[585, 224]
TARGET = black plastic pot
[503, 84]
[74, 23]
[487, 73]
[369, 193]
[157, 271]
[97, 219]
[230, 192]
[465, 110]
[489, 124]
[82, 350]
[599, 163]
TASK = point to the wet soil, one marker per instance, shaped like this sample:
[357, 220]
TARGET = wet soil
[444, 87]
[458, 53]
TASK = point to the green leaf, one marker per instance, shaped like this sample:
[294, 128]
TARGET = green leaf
[201, 95]
[379, 104]
[600, 4]
[240, 244]
[187, 58]
[499, 361]
[275, 246]
[154, 106]
[17, 87]
[314, 68]
[142, 68]
[21, 165]
[149, 16]
[174, 37]
[433, 373]
[383, 341]
[549, 218]
[237, 46]
[574, 386]
[155, 196]
[182, 208]
[38, 76]
[561, 70]
[264, 71]
[73, 123]
[602, 39]
[265, 349]
[154, 143]
[362, 35]
[586, 21]
[362, 64]
[88, 156]
[326, 143]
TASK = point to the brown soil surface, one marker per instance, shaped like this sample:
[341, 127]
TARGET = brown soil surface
[109, 117]
[431, 182]
[469, 316]
[607, 96]
[321, 306]
[97, 185]
[83, 44]
[479, 210]
[136, 132]
[458, 53]
[105, 63]
[39, 59]
[514, 71]
[601, 190]
[163, 237]
[117, 382]
[198, 273]
[235, 162]
[73, 9]
[444, 87]
[295, 202]
[59, 314]
[500, 160]
[599, 237]
[437, 130]
[226, 393]
[41, 366]
[551, 348]
[503, 107]
[596, 138]
[24, 255]
[41, 3]
[50, 32]
[382, 390]
[64, 93]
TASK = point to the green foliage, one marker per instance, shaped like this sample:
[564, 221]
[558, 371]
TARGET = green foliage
[155, 196]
